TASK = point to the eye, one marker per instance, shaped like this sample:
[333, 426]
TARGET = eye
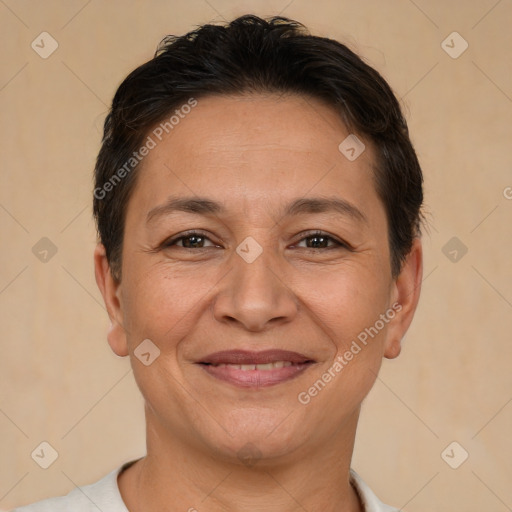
[190, 240]
[320, 240]
[196, 240]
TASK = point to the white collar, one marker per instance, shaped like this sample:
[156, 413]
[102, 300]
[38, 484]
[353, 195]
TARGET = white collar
[369, 500]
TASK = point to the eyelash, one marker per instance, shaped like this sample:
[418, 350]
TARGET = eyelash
[189, 234]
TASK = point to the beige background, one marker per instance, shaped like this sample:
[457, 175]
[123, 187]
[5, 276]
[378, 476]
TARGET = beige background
[453, 380]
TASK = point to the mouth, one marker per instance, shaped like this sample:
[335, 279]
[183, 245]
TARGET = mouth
[255, 369]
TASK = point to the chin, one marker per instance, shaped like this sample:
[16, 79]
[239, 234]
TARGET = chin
[261, 436]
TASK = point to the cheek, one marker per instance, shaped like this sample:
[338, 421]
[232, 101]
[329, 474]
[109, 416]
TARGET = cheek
[348, 307]
[346, 301]
[162, 307]
[340, 384]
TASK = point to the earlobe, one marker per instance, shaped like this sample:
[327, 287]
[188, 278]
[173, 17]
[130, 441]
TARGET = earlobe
[109, 289]
[393, 348]
[116, 338]
[406, 290]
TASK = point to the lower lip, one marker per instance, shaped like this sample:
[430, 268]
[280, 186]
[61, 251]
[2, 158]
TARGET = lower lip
[256, 378]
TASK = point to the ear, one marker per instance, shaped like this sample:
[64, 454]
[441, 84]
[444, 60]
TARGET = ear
[405, 294]
[110, 290]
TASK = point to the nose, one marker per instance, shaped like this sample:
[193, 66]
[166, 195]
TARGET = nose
[256, 295]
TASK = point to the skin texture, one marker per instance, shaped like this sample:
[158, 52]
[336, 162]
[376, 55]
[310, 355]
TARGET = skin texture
[254, 154]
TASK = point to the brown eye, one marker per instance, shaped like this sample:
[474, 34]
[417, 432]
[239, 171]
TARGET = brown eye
[191, 240]
[320, 240]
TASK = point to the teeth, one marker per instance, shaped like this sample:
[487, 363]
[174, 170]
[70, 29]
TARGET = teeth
[266, 366]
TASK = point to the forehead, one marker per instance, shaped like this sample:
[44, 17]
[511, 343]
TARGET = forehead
[245, 124]
[262, 149]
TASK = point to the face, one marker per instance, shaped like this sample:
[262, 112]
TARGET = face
[260, 269]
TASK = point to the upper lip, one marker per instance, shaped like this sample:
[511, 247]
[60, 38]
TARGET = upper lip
[249, 357]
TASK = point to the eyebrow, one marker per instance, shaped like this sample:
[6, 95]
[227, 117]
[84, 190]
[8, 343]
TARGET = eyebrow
[205, 206]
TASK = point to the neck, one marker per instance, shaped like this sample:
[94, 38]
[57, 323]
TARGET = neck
[191, 479]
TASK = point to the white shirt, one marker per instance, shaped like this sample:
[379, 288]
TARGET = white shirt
[104, 495]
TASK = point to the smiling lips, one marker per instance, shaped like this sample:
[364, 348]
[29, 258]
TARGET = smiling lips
[255, 369]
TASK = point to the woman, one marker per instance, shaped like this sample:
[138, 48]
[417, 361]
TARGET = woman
[258, 202]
